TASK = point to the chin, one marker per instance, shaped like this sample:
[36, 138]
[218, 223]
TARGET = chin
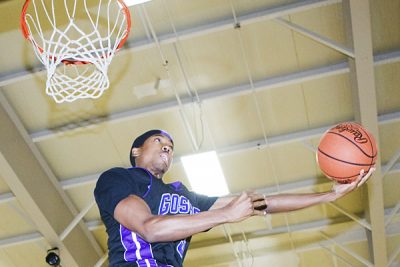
[163, 169]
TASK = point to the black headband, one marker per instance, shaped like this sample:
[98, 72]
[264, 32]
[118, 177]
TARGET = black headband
[139, 141]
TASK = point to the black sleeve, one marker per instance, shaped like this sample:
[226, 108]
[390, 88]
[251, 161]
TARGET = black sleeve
[204, 202]
[113, 186]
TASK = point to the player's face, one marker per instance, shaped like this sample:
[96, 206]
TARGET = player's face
[156, 154]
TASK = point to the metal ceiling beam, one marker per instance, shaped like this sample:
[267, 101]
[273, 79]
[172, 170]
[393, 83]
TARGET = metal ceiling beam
[347, 250]
[316, 37]
[227, 24]
[356, 234]
[6, 197]
[394, 255]
[201, 30]
[21, 239]
[39, 193]
[393, 214]
[255, 145]
[266, 84]
[362, 77]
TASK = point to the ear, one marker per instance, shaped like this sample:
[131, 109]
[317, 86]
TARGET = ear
[136, 151]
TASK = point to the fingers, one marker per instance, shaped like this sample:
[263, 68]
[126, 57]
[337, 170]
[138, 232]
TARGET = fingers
[245, 200]
[255, 196]
[361, 174]
[243, 197]
[343, 189]
[258, 202]
[364, 178]
[260, 207]
[356, 182]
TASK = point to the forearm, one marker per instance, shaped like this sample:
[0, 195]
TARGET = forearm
[282, 203]
[288, 202]
[134, 214]
[175, 227]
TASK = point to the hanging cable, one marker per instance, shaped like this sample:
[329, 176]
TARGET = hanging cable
[195, 97]
[247, 248]
[192, 91]
[165, 65]
[259, 116]
[235, 253]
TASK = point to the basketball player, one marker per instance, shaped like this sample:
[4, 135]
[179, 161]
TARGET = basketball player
[150, 223]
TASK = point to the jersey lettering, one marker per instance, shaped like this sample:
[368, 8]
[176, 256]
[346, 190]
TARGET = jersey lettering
[180, 248]
[176, 204]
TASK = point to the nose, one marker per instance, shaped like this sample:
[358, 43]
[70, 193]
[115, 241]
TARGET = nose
[166, 149]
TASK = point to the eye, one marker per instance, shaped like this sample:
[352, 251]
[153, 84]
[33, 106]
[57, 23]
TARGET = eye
[157, 139]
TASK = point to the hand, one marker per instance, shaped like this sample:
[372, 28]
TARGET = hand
[342, 189]
[259, 203]
[242, 207]
[239, 208]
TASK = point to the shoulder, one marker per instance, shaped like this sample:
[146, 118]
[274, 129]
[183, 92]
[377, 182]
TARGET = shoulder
[114, 171]
[112, 177]
[178, 186]
[119, 172]
[123, 176]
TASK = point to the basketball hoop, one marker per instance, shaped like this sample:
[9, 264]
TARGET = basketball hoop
[76, 41]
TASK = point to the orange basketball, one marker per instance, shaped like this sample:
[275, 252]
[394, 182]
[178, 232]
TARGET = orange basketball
[345, 150]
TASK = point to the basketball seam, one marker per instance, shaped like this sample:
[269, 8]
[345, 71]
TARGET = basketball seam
[344, 161]
[348, 139]
[342, 177]
[372, 157]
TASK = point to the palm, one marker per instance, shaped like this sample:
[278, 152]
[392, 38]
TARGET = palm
[342, 189]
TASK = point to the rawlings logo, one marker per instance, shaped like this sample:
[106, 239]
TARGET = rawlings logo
[358, 136]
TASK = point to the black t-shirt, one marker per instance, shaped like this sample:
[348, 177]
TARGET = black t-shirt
[127, 247]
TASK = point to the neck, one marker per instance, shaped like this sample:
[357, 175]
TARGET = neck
[155, 170]
[156, 173]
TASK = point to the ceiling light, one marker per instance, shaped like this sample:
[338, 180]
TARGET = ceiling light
[205, 174]
[135, 2]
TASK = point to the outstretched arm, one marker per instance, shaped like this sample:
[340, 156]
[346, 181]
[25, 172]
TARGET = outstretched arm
[133, 213]
[290, 202]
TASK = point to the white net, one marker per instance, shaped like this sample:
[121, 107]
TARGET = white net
[76, 41]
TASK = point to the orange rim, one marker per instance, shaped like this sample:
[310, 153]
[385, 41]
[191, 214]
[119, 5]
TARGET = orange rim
[128, 22]
[24, 28]
[26, 34]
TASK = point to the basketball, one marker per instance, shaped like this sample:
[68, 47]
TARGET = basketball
[344, 150]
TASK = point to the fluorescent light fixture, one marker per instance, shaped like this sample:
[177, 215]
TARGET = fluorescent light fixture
[135, 2]
[205, 174]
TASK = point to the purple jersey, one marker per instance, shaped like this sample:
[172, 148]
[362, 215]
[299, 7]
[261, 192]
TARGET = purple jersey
[127, 247]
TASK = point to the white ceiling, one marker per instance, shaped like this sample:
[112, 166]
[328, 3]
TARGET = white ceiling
[257, 81]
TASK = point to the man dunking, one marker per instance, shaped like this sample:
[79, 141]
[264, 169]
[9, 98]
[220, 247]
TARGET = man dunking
[150, 223]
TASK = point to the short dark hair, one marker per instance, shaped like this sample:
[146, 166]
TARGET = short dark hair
[139, 141]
